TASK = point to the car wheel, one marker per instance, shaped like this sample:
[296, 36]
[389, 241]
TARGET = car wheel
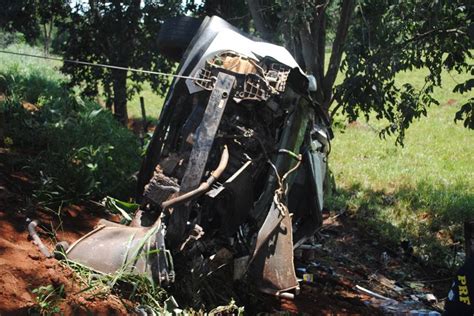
[175, 35]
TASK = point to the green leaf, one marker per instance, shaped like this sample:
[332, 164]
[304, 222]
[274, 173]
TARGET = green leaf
[124, 208]
[95, 113]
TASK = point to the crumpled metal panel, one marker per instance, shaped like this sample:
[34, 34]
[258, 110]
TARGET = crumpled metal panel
[109, 249]
[273, 256]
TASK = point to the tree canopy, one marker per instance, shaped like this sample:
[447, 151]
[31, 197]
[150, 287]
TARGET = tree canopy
[370, 42]
[401, 36]
[34, 18]
[121, 33]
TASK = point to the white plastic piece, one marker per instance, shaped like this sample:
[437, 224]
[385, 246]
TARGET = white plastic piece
[312, 83]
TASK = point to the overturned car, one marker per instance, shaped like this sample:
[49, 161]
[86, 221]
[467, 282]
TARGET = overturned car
[234, 172]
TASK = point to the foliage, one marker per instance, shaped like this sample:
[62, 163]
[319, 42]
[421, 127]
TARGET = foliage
[9, 38]
[33, 18]
[47, 298]
[373, 41]
[237, 13]
[19, 16]
[397, 37]
[125, 209]
[76, 148]
[121, 33]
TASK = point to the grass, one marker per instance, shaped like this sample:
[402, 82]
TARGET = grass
[141, 291]
[135, 288]
[153, 104]
[47, 300]
[422, 191]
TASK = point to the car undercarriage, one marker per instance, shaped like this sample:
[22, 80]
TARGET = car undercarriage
[233, 175]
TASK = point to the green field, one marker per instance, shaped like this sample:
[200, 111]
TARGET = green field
[422, 191]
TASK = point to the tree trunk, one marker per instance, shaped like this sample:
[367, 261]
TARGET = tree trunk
[108, 96]
[45, 40]
[120, 95]
[259, 20]
[306, 40]
[337, 50]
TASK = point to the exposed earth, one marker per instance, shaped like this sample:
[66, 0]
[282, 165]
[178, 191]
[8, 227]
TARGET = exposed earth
[344, 256]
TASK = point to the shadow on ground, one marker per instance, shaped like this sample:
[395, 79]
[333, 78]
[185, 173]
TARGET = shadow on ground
[426, 220]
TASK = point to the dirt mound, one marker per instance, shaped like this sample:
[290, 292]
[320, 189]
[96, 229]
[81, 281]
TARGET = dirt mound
[23, 268]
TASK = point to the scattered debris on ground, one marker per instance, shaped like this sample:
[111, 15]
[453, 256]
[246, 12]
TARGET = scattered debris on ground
[349, 268]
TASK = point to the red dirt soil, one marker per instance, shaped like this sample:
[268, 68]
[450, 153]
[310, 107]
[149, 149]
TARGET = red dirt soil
[23, 268]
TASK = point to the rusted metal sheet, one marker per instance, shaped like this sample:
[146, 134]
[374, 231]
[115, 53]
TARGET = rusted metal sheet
[113, 247]
[273, 258]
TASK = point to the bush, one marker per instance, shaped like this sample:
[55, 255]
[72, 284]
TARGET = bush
[9, 38]
[76, 149]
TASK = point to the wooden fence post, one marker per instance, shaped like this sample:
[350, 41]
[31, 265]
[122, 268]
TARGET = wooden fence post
[144, 122]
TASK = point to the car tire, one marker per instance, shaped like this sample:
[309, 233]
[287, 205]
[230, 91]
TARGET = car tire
[175, 35]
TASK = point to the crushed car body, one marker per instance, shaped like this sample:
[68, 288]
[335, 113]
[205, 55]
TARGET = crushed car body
[233, 174]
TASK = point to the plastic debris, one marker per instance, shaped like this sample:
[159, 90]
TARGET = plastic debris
[308, 277]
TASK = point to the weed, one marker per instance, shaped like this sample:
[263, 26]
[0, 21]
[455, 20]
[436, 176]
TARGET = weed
[125, 209]
[47, 298]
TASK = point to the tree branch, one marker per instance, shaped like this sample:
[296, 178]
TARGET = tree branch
[429, 33]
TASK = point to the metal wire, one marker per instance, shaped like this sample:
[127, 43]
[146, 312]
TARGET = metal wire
[282, 190]
[79, 62]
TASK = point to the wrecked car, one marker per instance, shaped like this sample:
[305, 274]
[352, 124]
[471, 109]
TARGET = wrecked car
[234, 171]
